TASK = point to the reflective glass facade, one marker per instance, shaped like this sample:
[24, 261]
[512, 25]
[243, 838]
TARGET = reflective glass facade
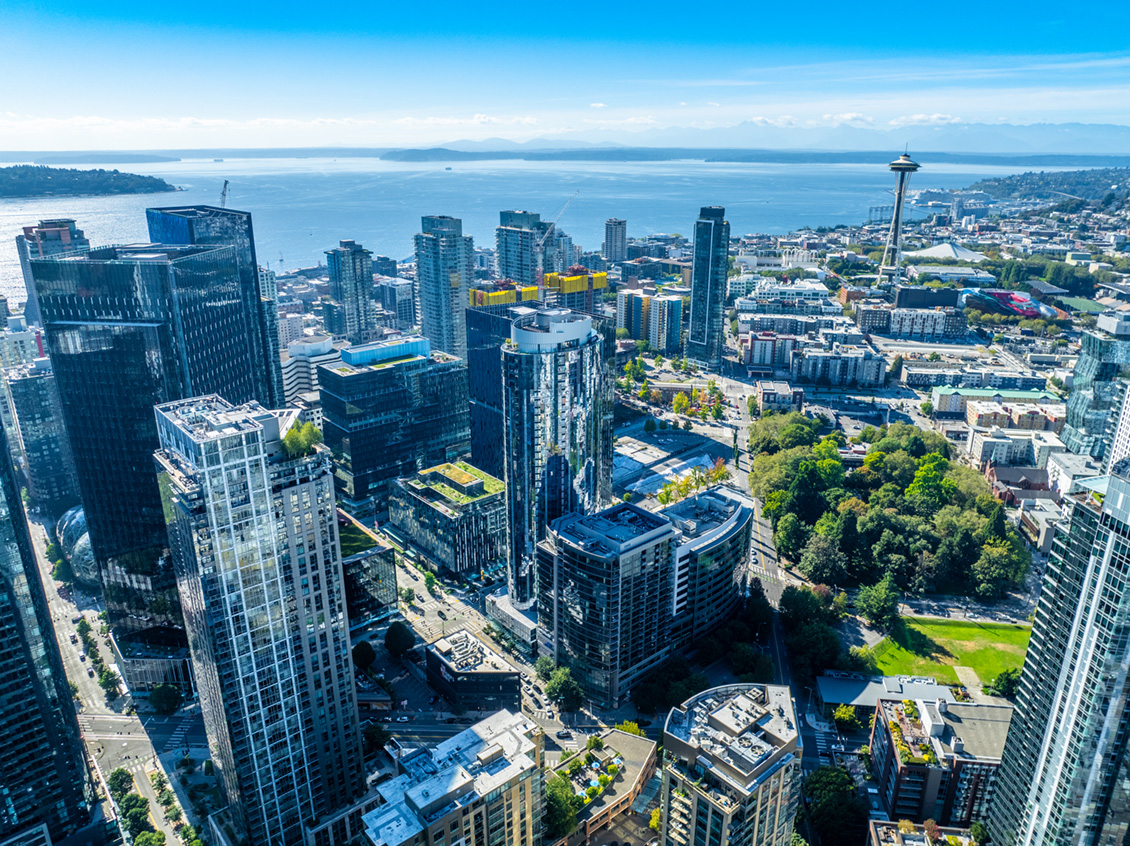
[43, 437]
[1096, 393]
[43, 775]
[708, 288]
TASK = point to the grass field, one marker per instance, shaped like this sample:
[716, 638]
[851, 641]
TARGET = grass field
[928, 647]
[353, 540]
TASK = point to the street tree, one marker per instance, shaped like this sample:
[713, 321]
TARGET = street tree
[544, 667]
[165, 699]
[879, 603]
[563, 689]
[364, 655]
[119, 782]
[399, 639]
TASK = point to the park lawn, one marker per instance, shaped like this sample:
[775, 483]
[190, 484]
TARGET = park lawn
[927, 647]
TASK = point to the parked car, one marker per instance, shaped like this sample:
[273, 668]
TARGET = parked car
[82, 656]
[90, 671]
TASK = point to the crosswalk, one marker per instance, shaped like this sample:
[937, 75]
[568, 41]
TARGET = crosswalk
[177, 738]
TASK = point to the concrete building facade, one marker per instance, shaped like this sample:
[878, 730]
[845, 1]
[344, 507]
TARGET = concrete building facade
[445, 269]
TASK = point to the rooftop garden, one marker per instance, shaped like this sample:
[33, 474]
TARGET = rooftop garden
[910, 738]
[354, 539]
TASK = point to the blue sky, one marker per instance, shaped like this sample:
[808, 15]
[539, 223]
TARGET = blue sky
[126, 74]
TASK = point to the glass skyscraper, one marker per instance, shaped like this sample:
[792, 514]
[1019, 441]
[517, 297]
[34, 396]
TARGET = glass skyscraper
[253, 534]
[1065, 772]
[211, 226]
[557, 430]
[131, 327]
[705, 327]
[445, 268]
[43, 774]
[1098, 386]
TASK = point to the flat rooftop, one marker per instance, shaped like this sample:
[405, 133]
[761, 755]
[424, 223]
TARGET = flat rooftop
[614, 530]
[705, 515]
[468, 654]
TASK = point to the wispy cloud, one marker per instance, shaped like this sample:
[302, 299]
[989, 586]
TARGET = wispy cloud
[924, 120]
[598, 105]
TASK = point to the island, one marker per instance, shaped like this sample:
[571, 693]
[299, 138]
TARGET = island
[39, 181]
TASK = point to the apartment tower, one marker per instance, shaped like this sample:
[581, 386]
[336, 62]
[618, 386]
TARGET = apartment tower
[705, 327]
[445, 268]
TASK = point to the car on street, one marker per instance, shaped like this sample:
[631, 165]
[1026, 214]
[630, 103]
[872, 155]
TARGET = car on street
[565, 734]
[82, 656]
[402, 719]
[90, 671]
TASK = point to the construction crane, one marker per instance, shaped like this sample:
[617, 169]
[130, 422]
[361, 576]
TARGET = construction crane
[539, 244]
[224, 196]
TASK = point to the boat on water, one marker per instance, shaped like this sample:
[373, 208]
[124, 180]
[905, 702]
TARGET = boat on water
[447, 168]
[217, 160]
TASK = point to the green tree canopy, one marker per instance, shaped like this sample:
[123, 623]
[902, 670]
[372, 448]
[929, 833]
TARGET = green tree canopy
[165, 698]
[364, 655]
[544, 667]
[563, 689]
[399, 639]
[879, 603]
[300, 440]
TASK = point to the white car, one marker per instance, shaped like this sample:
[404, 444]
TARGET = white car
[402, 719]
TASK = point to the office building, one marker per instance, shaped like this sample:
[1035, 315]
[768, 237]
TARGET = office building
[208, 226]
[455, 514]
[398, 296]
[483, 787]
[49, 238]
[1066, 763]
[43, 775]
[385, 266]
[604, 597]
[43, 441]
[472, 676]
[129, 328]
[705, 329]
[665, 324]
[575, 290]
[390, 409]
[368, 564]
[1096, 390]
[488, 328]
[351, 312]
[779, 397]
[445, 269]
[253, 535]
[301, 361]
[615, 240]
[731, 768]
[935, 760]
[556, 432]
[519, 246]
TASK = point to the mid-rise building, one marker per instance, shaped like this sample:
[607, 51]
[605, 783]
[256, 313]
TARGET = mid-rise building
[43, 771]
[385, 266]
[615, 240]
[665, 324]
[445, 269]
[765, 352]
[398, 296]
[472, 676]
[953, 402]
[576, 290]
[301, 361]
[129, 328]
[556, 432]
[368, 565]
[705, 329]
[1066, 762]
[907, 833]
[455, 514]
[208, 226]
[49, 238]
[731, 768]
[1005, 447]
[292, 327]
[935, 760]
[517, 241]
[253, 534]
[633, 312]
[1096, 390]
[43, 440]
[483, 787]
[390, 409]
[351, 312]
[841, 365]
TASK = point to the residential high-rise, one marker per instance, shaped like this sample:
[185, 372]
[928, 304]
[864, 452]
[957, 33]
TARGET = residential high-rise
[604, 597]
[576, 289]
[1065, 773]
[665, 324]
[398, 296]
[445, 268]
[705, 328]
[516, 245]
[351, 312]
[129, 328]
[731, 768]
[209, 226]
[49, 238]
[557, 429]
[254, 541]
[1097, 387]
[43, 775]
[44, 444]
[615, 239]
[390, 409]
[488, 328]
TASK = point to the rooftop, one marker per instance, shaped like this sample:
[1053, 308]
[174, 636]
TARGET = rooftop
[995, 392]
[468, 654]
[854, 689]
[703, 517]
[614, 530]
[631, 755]
[458, 483]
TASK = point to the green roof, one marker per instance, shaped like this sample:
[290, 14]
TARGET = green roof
[992, 392]
[462, 472]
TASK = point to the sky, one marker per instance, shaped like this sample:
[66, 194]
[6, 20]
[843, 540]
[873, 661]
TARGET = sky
[123, 74]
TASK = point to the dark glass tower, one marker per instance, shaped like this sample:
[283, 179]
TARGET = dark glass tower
[43, 775]
[129, 328]
[488, 328]
[708, 288]
[211, 226]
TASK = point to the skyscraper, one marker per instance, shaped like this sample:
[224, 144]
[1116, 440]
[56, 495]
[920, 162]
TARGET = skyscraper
[516, 245]
[208, 226]
[390, 409]
[43, 775]
[556, 430]
[445, 268]
[129, 328]
[1097, 387]
[351, 312]
[488, 328]
[1065, 772]
[615, 239]
[49, 238]
[708, 288]
[253, 535]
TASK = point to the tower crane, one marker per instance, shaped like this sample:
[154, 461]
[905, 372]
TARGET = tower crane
[224, 196]
[539, 243]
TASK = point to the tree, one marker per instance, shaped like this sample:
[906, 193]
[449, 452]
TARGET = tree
[879, 603]
[799, 605]
[822, 561]
[629, 727]
[109, 681]
[650, 426]
[656, 819]
[561, 806]
[994, 570]
[82, 627]
[896, 368]
[364, 655]
[430, 581]
[845, 716]
[165, 699]
[375, 736]
[835, 811]
[407, 595]
[563, 689]
[680, 404]
[153, 838]
[594, 742]
[622, 334]
[797, 840]
[544, 667]
[300, 440]
[796, 435]
[119, 782]
[927, 408]
[979, 833]
[399, 639]
[1007, 683]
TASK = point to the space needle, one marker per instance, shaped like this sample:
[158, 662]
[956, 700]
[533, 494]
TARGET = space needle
[904, 166]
